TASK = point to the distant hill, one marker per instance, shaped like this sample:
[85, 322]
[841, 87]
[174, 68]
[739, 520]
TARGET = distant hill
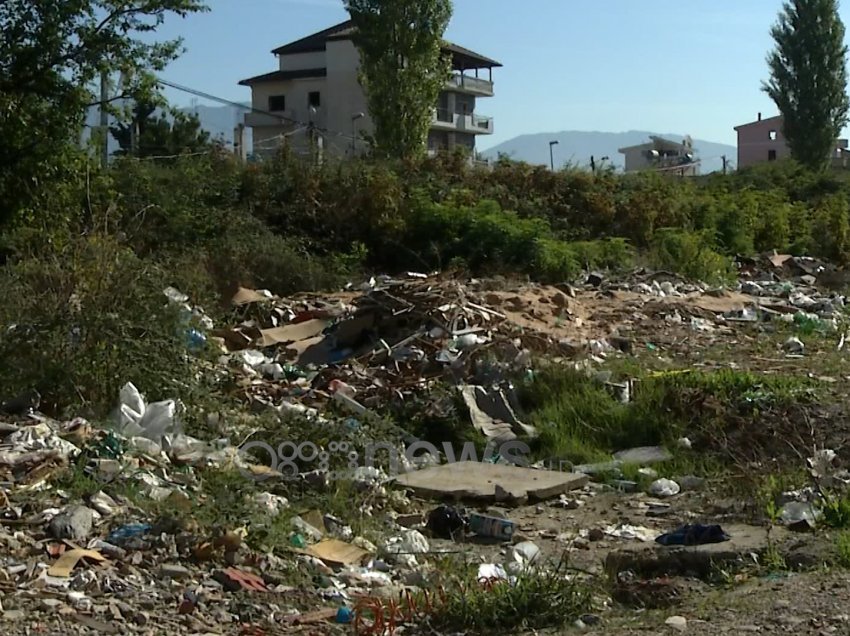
[577, 147]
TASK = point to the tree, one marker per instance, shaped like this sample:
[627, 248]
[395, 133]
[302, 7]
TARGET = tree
[160, 136]
[403, 68]
[808, 80]
[51, 54]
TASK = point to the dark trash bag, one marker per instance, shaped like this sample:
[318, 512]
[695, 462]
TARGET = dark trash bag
[445, 522]
[696, 534]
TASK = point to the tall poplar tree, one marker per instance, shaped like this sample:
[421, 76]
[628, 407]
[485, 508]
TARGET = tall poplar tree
[808, 78]
[403, 68]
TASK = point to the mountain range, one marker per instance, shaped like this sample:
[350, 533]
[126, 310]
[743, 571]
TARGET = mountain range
[576, 147]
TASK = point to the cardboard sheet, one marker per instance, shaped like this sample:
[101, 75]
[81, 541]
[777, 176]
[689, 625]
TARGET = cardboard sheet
[247, 296]
[66, 563]
[336, 552]
[292, 333]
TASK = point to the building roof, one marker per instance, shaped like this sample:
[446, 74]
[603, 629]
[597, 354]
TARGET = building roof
[462, 58]
[278, 76]
[760, 122]
[656, 141]
[315, 42]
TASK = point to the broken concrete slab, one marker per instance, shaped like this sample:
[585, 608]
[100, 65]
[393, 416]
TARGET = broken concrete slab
[478, 481]
[644, 455]
[652, 560]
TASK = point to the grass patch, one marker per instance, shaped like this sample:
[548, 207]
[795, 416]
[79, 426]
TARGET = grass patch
[536, 599]
[581, 421]
[836, 512]
[842, 549]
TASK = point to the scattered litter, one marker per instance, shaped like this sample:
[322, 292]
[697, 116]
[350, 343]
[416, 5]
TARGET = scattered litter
[794, 347]
[677, 623]
[233, 580]
[491, 571]
[800, 516]
[628, 531]
[664, 488]
[446, 522]
[66, 563]
[337, 553]
[136, 418]
[493, 527]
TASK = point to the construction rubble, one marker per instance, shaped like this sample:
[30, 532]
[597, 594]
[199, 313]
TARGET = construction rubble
[82, 555]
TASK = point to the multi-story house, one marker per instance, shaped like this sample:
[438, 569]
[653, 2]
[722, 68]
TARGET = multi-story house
[762, 140]
[662, 155]
[316, 87]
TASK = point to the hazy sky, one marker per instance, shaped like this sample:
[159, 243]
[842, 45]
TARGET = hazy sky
[688, 66]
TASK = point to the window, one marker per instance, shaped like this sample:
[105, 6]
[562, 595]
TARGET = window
[771, 155]
[773, 135]
[277, 103]
[314, 99]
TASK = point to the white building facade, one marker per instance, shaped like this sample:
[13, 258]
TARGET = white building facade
[315, 96]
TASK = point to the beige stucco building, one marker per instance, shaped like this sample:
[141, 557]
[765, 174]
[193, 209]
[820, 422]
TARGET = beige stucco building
[662, 155]
[316, 91]
[762, 140]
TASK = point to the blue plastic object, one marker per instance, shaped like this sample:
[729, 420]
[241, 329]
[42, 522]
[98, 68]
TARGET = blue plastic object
[195, 340]
[344, 615]
[128, 532]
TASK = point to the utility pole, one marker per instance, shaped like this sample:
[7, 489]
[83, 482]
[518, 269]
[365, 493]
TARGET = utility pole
[104, 118]
[724, 163]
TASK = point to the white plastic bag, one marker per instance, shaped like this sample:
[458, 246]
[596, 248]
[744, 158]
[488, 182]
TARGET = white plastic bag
[136, 419]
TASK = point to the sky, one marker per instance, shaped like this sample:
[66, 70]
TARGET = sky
[686, 66]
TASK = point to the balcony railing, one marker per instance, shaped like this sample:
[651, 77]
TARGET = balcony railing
[447, 120]
[471, 84]
[478, 123]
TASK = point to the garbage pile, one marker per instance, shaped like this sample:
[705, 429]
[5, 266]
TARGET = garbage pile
[84, 550]
[366, 350]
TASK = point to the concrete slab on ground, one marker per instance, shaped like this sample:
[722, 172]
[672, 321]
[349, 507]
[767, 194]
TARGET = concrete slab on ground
[649, 560]
[482, 481]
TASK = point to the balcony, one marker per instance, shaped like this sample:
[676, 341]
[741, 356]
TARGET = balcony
[261, 120]
[478, 124]
[472, 85]
[442, 119]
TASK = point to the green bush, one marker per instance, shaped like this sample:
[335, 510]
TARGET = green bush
[79, 324]
[690, 254]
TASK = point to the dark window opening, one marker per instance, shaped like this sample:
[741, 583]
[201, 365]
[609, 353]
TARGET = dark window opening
[277, 103]
[771, 155]
[314, 99]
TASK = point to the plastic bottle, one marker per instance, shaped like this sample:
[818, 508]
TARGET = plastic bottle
[486, 526]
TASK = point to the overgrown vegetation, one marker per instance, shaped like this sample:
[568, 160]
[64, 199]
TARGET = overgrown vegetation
[539, 598]
[85, 276]
[581, 421]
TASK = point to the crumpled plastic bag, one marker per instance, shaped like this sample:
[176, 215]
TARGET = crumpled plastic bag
[522, 556]
[664, 488]
[404, 548]
[39, 437]
[135, 418]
